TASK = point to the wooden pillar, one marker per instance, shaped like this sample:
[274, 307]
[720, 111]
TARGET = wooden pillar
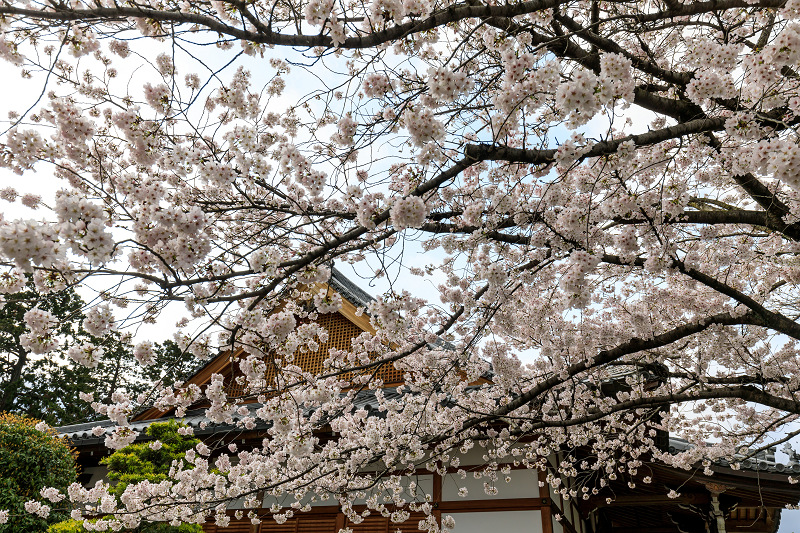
[547, 515]
[437, 497]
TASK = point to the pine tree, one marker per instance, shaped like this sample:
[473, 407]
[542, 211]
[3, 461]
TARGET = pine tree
[48, 387]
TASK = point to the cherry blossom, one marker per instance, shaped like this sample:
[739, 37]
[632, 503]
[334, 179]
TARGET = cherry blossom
[144, 353]
[37, 508]
[584, 195]
[99, 320]
[86, 354]
[41, 337]
[409, 212]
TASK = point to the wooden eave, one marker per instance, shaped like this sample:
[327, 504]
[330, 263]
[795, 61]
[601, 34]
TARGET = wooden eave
[753, 500]
[223, 361]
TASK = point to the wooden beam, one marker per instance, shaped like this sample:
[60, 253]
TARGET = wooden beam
[641, 500]
[509, 504]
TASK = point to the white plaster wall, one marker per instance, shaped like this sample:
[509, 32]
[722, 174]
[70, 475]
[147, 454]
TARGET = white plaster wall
[501, 522]
[523, 484]
[478, 455]
[424, 486]
[556, 497]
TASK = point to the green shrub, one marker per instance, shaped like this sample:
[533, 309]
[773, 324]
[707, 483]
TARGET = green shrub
[139, 462]
[67, 526]
[76, 526]
[30, 460]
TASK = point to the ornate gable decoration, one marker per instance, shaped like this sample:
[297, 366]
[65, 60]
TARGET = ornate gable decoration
[342, 326]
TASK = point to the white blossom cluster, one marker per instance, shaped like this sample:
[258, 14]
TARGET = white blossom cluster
[591, 190]
[40, 337]
[38, 508]
[445, 85]
[86, 354]
[423, 126]
[409, 212]
[581, 264]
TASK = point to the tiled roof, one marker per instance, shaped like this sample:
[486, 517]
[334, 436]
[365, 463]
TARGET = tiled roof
[82, 435]
[349, 290]
[763, 461]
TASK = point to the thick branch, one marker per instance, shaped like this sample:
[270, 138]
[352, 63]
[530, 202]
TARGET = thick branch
[266, 36]
[606, 356]
[491, 152]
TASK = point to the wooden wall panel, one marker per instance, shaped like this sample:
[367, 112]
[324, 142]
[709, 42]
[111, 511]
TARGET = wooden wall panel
[268, 525]
[410, 525]
[316, 524]
[235, 526]
[380, 524]
[371, 524]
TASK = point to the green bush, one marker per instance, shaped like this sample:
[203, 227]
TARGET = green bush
[30, 460]
[76, 526]
[67, 526]
[139, 462]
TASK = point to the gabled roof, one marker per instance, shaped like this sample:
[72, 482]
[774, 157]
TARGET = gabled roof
[350, 292]
[82, 434]
[343, 325]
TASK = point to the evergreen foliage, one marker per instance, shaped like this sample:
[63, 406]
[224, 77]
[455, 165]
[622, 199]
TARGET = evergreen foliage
[29, 460]
[143, 461]
[48, 387]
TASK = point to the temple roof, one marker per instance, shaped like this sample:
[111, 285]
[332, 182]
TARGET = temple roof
[82, 435]
[349, 290]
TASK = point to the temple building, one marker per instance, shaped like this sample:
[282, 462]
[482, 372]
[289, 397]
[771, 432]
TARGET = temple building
[747, 497]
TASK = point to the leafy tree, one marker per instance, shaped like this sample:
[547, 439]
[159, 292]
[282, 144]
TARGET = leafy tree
[31, 459]
[48, 387]
[171, 364]
[19, 370]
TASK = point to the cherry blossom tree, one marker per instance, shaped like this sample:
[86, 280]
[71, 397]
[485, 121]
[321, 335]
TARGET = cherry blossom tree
[609, 191]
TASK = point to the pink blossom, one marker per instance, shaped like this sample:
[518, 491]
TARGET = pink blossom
[409, 212]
